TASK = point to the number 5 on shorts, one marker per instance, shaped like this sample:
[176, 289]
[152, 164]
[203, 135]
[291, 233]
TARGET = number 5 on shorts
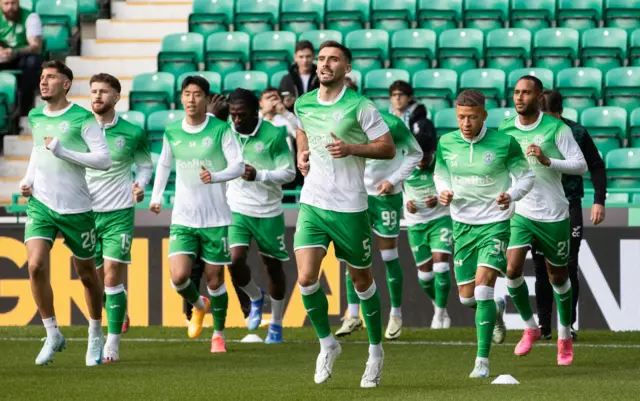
[126, 243]
[367, 249]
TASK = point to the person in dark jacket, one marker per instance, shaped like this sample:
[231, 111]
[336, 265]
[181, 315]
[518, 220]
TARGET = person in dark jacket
[574, 191]
[404, 106]
[302, 76]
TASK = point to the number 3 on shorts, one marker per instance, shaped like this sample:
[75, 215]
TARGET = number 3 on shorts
[88, 239]
[500, 247]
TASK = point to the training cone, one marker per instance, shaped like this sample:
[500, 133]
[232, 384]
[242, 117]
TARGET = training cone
[505, 379]
[252, 338]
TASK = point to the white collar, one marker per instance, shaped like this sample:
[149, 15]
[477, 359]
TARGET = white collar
[533, 126]
[478, 137]
[56, 113]
[111, 124]
[255, 130]
[335, 100]
[194, 129]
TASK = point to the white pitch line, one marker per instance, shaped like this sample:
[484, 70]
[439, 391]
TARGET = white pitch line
[433, 343]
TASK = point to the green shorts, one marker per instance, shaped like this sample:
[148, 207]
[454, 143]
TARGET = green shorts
[211, 243]
[77, 229]
[432, 237]
[350, 233]
[479, 245]
[267, 231]
[114, 232]
[384, 213]
[552, 239]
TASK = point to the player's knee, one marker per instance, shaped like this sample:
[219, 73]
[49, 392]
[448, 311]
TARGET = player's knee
[361, 282]
[513, 273]
[88, 277]
[483, 293]
[179, 277]
[468, 301]
[306, 280]
[215, 282]
[389, 254]
[559, 277]
[36, 267]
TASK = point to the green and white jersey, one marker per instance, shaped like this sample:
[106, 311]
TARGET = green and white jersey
[267, 150]
[477, 170]
[337, 184]
[128, 144]
[57, 174]
[211, 145]
[396, 170]
[547, 202]
[418, 187]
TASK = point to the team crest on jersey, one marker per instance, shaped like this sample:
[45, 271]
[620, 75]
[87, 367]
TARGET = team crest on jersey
[258, 147]
[337, 116]
[207, 142]
[538, 140]
[19, 29]
[64, 126]
[489, 157]
[121, 142]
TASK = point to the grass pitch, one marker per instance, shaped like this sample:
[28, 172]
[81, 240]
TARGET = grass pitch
[163, 364]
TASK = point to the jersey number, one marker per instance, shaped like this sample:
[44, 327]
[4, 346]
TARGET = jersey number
[225, 245]
[390, 219]
[126, 243]
[500, 247]
[88, 239]
[446, 236]
[280, 239]
[563, 249]
[367, 249]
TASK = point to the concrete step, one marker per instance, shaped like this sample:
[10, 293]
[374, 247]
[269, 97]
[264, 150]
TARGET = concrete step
[9, 186]
[139, 29]
[121, 47]
[80, 86]
[143, 10]
[13, 167]
[17, 145]
[85, 67]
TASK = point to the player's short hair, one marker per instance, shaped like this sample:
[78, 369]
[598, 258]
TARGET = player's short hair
[198, 81]
[60, 67]
[269, 89]
[108, 79]
[245, 96]
[344, 49]
[304, 45]
[551, 101]
[470, 98]
[402, 86]
[425, 136]
[537, 83]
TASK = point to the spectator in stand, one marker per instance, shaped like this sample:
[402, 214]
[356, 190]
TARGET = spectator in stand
[302, 76]
[272, 109]
[20, 48]
[405, 107]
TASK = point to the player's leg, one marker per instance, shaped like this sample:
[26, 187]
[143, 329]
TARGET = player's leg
[465, 262]
[544, 293]
[311, 242]
[351, 321]
[440, 237]
[421, 250]
[575, 219]
[197, 271]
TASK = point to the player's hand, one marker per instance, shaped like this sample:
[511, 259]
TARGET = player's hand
[411, 207]
[338, 148]
[446, 197]
[205, 175]
[597, 214]
[25, 190]
[303, 162]
[216, 104]
[384, 188]
[138, 193]
[47, 141]
[503, 200]
[249, 173]
[155, 208]
[535, 151]
[431, 201]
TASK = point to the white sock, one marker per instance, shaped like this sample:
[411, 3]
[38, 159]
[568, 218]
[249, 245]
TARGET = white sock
[217, 333]
[564, 332]
[113, 340]
[51, 326]
[397, 312]
[481, 359]
[353, 310]
[277, 310]
[531, 323]
[95, 326]
[439, 312]
[327, 343]
[375, 351]
[199, 304]
[253, 291]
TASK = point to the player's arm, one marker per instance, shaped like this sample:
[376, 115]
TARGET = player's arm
[235, 162]
[285, 172]
[442, 179]
[302, 156]
[97, 158]
[144, 164]
[26, 185]
[595, 164]
[573, 163]
[520, 170]
[412, 154]
[163, 170]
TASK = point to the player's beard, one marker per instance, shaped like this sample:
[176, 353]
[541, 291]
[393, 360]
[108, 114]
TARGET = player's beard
[101, 108]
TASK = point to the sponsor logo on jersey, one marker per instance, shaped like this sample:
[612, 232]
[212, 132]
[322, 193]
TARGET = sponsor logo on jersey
[207, 142]
[121, 142]
[489, 157]
[64, 126]
[194, 163]
[258, 147]
[176, 143]
[538, 140]
[474, 180]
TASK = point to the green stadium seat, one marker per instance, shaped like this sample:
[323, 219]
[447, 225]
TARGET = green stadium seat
[634, 48]
[318, 37]
[59, 20]
[580, 87]
[356, 77]
[377, 83]
[8, 110]
[603, 48]
[634, 128]
[436, 88]
[413, 49]
[495, 116]
[555, 48]
[158, 121]
[489, 81]
[28, 4]
[134, 117]
[347, 15]
[532, 15]
[620, 198]
[622, 88]
[152, 92]
[460, 49]
[486, 15]
[301, 16]
[88, 10]
[227, 52]
[180, 53]
[211, 16]
[635, 199]
[623, 168]
[277, 77]
[393, 15]
[623, 14]
[543, 74]
[445, 121]
[439, 15]
[508, 49]
[607, 126]
[255, 16]
[579, 14]
[272, 51]
[570, 114]
[214, 79]
[256, 81]
[369, 47]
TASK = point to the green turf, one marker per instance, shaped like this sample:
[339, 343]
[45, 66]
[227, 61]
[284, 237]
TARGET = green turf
[183, 369]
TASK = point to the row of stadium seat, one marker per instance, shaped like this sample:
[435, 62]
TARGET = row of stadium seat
[409, 49]
[8, 105]
[60, 22]
[87, 10]
[347, 15]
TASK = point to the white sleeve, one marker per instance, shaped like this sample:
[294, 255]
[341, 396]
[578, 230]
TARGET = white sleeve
[372, 123]
[521, 185]
[31, 170]
[412, 157]
[235, 162]
[574, 162]
[33, 25]
[291, 123]
[163, 170]
[143, 174]
[97, 158]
